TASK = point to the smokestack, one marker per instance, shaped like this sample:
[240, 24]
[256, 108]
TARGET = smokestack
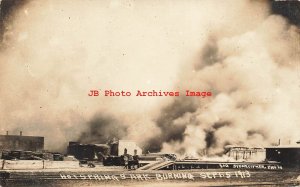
[20, 133]
[6, 132]
[279, 142]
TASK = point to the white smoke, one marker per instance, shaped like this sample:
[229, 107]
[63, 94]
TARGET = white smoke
[255, 78]
[56, 51]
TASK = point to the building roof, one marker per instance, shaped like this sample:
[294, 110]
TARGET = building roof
[284, 146]
[13, 136]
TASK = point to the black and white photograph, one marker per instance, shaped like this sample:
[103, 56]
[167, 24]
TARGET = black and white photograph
[149, 93]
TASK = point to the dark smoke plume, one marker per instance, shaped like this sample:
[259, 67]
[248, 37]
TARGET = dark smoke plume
[103, 128]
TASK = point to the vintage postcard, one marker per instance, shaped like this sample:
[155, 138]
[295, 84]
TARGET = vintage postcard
[149, 93]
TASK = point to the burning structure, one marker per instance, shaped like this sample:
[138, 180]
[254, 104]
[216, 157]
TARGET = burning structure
[245, 153]
[88, 151]
[102, 151]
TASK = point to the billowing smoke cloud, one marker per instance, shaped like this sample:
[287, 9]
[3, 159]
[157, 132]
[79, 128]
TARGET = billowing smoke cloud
[255, 80]
[54, 52]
